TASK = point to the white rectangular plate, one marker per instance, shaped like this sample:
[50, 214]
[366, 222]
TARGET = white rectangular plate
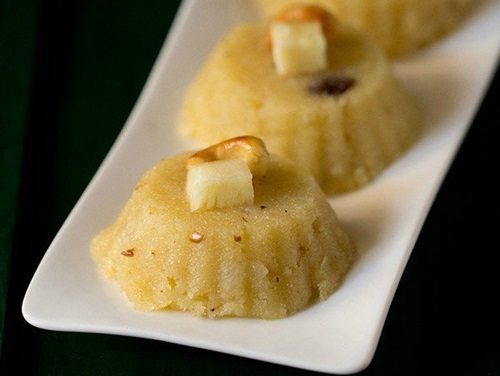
[340, 335]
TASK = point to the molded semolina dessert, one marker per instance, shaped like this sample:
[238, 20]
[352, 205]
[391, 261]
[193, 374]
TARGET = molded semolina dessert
[398, 26]
[199, 234]
[315, 91]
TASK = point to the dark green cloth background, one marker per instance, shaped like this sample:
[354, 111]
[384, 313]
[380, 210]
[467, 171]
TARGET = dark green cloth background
[70, 74]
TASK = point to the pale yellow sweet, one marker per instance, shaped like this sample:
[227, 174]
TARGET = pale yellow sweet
[264, 260]
[398, 26]
[343, 140]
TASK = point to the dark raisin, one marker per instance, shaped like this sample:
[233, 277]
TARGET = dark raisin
[332, 85]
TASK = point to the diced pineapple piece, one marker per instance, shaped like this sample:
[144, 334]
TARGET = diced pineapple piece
[219, 184]
[298, 47]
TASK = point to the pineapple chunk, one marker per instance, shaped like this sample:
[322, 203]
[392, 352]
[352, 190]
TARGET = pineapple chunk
[219, 184]
[298, 47]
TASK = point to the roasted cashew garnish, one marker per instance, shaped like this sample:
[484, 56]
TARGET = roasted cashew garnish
[250, 149]
[303, 13]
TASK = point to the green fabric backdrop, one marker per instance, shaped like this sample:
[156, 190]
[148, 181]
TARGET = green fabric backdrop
[70, 74]
[17, 34]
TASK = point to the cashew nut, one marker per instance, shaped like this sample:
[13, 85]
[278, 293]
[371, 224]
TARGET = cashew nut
[303, 13]
[250, 149]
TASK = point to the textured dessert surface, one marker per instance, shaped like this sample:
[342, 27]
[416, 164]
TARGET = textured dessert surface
[265, 260]
[344, 124]
[398, 26]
